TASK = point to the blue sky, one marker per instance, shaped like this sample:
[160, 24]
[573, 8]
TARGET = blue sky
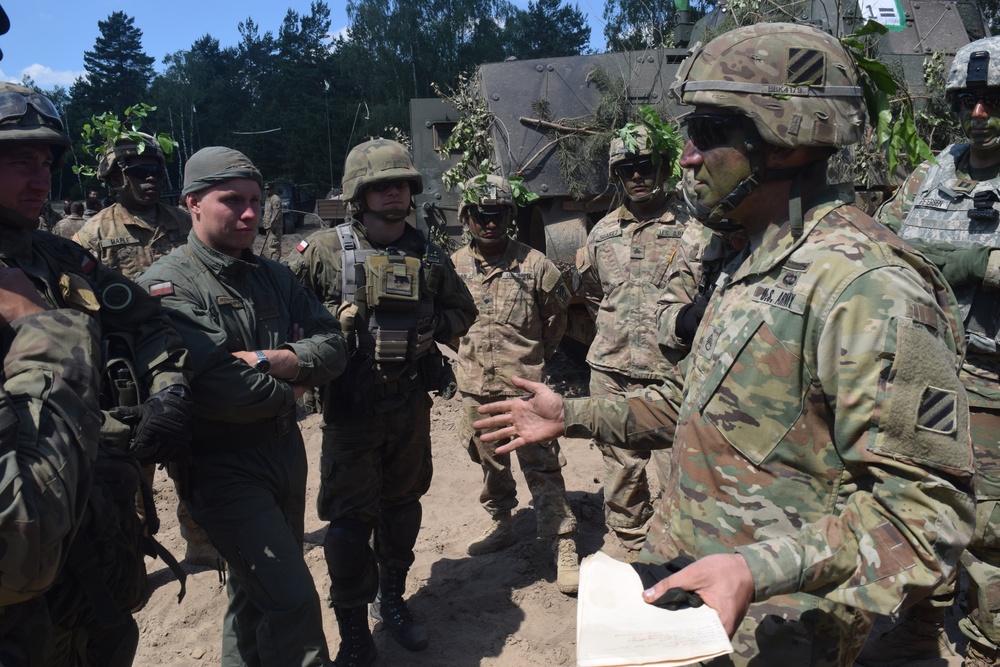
[47, 38]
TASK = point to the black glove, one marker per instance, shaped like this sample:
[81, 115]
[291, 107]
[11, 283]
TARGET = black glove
[688, 319]
[161, 426]
[675, 598]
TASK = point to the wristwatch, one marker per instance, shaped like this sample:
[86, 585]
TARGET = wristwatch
[263, 364]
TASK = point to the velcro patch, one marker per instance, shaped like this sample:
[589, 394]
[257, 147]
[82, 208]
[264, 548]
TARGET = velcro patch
[806, 67]
[774, 296]
[303, 244]
[937, 411]
[165, 288]
[229, 301]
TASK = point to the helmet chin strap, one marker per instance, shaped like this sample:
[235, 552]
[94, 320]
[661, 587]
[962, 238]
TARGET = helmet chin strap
[389, 214]
[716, 217]
[655, 191]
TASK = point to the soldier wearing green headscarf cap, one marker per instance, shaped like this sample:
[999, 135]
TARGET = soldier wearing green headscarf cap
[258, 339]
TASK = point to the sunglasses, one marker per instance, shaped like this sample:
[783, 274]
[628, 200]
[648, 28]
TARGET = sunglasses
[484, 215]
[145, 171]
[15, 105]
[708, 130]
[385, 186]
[642, 166]
[968, 101]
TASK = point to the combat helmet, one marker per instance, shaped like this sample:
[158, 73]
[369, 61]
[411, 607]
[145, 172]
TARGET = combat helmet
[618, 152]
[26, 115]
[790, 85]
[487, 190]
[378, 160]
[127, 146]
[796, 83]
[977, 63]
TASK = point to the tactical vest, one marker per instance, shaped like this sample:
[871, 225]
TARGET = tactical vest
[951, 209]
[396, 314]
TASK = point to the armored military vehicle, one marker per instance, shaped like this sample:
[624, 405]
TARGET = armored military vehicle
[537, 104]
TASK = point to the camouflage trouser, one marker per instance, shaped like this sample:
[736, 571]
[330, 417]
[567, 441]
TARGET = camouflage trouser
[627, 502]
[272, 243]
[982, 559]
[541, 465]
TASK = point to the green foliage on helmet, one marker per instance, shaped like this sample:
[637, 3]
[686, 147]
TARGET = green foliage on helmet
[651, 136]
[376, 161]
[129, 145]
[486, 189]
[113, 140]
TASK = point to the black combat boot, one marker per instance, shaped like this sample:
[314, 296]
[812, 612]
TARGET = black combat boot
[357, 648]
[390, 609]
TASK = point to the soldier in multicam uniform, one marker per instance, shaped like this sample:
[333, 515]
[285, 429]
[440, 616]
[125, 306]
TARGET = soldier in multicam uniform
[823, 421]
[623, 270]
[257, 339]
[71, 224]
[522, 300]
[396, 295]
[273, 224]
[948, 211]
[32, 142]
[129, 236]
[138, 229]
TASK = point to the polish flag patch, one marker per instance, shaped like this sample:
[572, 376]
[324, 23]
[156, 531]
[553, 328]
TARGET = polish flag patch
[303, 244]
[87, 264]
[165, 288]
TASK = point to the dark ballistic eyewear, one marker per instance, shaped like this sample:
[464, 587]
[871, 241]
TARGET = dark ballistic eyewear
[968, 101]
[145, 171]
[391, 184]
[708, 130]
[641, 166]
[487, 214]
[15, 105]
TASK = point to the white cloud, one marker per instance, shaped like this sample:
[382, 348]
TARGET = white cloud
[44, 77]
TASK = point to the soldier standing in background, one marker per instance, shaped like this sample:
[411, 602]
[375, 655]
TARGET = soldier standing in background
[66, 277]
[396, 295]
[71, 224]
[257, 339]
[948, 211]
[129, 236]
[522, 300]
[823, 422]
[624, 269]
[274, 224]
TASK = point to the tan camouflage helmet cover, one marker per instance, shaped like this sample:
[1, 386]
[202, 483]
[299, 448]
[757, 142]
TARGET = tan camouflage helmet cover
[27, 115]
[486, 190]
[126, 147]
[618, 151]
[378, 160]
[797, 83]
[984, 57]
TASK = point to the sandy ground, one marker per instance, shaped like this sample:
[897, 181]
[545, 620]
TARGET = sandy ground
[497, 610]
[500, 609]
